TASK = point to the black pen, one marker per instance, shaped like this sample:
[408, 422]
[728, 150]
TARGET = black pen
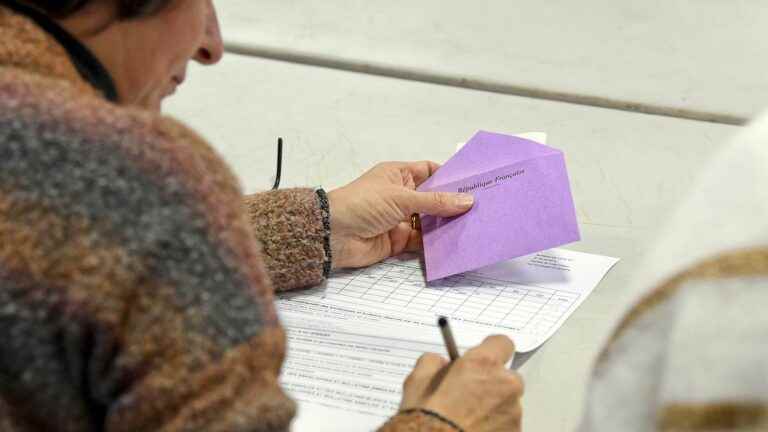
[450, 343]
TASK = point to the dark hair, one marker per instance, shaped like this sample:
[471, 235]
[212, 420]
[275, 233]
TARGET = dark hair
[126, 9]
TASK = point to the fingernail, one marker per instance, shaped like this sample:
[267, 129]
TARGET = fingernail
[464, 200]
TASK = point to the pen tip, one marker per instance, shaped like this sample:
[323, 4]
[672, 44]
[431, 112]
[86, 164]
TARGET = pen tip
[442, 321]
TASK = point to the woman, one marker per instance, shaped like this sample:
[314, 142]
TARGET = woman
[135, 286]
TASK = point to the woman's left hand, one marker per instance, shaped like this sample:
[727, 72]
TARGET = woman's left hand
[370, 217]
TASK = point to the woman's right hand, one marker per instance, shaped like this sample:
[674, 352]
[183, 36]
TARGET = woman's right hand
[477, 391]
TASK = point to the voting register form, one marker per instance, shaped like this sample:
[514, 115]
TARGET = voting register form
[353, 340]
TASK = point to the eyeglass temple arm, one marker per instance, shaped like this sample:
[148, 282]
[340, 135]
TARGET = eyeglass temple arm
[279, 163]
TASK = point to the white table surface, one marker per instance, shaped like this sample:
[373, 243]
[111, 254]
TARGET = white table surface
[627, 171]
[690, 57]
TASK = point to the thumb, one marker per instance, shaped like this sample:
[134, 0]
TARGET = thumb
[443, 204]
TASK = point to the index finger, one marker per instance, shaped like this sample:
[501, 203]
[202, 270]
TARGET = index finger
[421, 170]
[497, 348]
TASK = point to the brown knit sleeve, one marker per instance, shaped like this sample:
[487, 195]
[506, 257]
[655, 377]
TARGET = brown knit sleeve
[417, 422]
[292, 227]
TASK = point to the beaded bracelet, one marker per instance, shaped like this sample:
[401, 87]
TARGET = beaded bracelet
[325, 209]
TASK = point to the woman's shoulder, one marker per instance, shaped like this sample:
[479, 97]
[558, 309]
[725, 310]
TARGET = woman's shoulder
[58, 112]
[75, 169]
[133, 170]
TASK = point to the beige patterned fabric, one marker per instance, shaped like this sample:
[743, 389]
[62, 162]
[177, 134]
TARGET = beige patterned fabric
[692, 353]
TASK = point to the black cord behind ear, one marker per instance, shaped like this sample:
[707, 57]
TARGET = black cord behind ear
[279, 163]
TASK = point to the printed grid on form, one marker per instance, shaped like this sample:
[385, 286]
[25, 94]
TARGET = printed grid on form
[470, 297]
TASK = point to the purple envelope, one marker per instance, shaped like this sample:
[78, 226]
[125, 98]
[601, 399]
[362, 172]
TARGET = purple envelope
[523, 205]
